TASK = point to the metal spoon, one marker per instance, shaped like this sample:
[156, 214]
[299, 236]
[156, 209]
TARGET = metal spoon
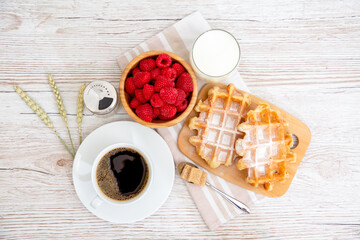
[232, 200]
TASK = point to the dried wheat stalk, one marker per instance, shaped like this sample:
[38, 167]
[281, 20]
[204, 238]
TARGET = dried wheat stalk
[41, 114]
[61, 107]
[80, 109]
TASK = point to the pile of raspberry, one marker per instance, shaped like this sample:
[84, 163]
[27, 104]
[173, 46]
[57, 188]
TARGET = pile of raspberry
[159, 88]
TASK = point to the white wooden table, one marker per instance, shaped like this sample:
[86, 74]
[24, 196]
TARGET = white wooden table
[303, 56]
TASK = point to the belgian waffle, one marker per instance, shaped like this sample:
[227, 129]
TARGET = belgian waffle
[265, 148]
[216, 125]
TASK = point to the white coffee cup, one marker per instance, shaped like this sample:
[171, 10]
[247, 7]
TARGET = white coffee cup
[100, 198]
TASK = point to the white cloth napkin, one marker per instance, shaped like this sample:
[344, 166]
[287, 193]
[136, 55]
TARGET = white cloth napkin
[179, 38]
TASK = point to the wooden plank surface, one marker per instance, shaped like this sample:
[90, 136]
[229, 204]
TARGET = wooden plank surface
[300, 55]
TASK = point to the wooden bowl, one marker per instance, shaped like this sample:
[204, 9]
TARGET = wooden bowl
[157, 123]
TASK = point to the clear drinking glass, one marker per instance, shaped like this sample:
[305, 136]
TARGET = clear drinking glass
[215, 54]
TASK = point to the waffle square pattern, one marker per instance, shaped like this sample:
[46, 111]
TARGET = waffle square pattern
[265, 148]
[216, 125]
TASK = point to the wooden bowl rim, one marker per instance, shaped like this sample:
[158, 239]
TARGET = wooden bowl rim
[161, 123]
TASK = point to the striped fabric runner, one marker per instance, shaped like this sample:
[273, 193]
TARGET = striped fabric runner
[178, 39]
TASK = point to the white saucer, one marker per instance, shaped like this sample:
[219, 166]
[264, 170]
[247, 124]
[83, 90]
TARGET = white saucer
[144, 138]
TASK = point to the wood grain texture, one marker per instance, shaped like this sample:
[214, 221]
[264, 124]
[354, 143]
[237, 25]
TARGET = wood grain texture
[300, 55]
[125, 98]
[231, 173]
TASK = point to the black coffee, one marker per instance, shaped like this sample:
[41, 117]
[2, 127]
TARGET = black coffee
[122, 174]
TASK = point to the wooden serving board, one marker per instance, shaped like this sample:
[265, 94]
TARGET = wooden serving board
[231, 173]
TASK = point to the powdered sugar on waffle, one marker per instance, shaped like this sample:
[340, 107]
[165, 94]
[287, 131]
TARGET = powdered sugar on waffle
[265, 147]
[221, 133]
[261, 145]
[217, 124]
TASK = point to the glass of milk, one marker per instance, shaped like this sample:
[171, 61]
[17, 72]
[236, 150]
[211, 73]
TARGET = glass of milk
[214, 55]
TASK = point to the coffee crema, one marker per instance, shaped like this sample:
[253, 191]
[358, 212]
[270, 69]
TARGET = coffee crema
[122, 174]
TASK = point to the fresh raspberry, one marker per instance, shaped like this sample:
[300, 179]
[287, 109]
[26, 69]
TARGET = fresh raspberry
[170, 73]
[178, 68]
[129, 86]
[145, 112]
[148, 91]
[161, 82]
[156, 100]
[163, 60]
[146, 65]
[152, 82]
[181, 95]
[141, 78]
[182, 106]
[168, 94]
[156, 112]
[155, 73]
[135, 71]
[134, 103]
[140, 96]
[167, 112]
[184, 82]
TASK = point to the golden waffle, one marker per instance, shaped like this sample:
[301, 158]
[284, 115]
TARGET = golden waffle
[265, 148]
[216, 125]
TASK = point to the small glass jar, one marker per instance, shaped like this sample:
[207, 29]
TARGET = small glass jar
[101, 98]
[215, 54]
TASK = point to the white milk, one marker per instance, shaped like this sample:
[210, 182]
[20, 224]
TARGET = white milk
[215, 54]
